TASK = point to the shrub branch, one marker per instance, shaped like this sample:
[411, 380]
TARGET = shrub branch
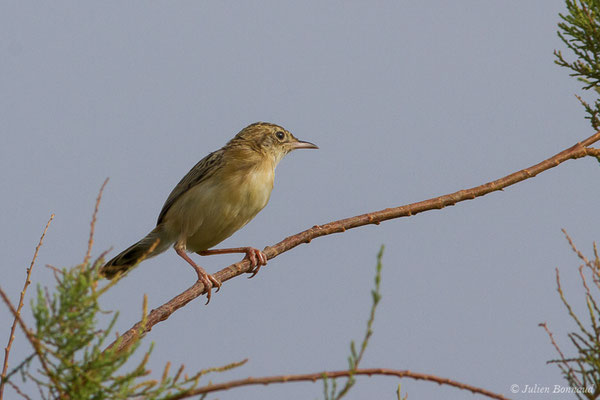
[163, 312]
[19, 307]
[332, 375]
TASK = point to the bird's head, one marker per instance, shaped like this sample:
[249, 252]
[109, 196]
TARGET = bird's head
[267, 140]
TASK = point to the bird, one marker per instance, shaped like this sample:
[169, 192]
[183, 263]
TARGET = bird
[222, 193]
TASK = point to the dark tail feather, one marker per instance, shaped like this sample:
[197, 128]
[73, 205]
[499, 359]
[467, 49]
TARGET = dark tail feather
[149, 246]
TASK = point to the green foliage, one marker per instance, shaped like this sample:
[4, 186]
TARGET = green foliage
[355, 357]
[70, 349]
[68, 344]
[399, 394]
[580, 32]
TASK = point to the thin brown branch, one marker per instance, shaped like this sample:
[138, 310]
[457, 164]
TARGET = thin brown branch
[93, 223]
[11, 338]
[581, 256]
[37, 347]
[19, 392]
[560, 353]
[584, 281]
[163, 312]
[566, 303]
[56, 272]
[335, 374]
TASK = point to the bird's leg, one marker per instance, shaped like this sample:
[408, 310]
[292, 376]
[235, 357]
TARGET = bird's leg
[257, 258]
[207, 280]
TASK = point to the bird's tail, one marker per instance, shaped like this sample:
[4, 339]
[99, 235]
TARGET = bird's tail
[149, 246]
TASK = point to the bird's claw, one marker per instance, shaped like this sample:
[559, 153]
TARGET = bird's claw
[215, 282]
[209, 281]
[257, 259]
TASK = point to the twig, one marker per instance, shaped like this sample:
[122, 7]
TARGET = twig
[19, 307]
[22, 364]
[16, 388]
[93, 223]
[335, 374]
[566, 303]
[560, 353]
[37, 347]
[163, 312]
[56, 272]
[551, 336]
[581, 256]
[354, 359]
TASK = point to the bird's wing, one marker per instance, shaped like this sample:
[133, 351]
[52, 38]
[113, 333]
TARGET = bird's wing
[204, 169]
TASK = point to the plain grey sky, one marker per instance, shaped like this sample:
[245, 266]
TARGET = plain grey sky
[407, 100]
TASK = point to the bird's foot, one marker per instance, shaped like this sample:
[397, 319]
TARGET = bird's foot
[209, 281]
[257, 259]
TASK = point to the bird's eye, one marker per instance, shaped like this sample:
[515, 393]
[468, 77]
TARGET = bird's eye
[280, 135]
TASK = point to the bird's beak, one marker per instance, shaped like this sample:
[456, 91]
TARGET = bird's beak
[303, 145]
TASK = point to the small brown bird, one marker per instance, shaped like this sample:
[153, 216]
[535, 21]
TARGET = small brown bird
[218, 196]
